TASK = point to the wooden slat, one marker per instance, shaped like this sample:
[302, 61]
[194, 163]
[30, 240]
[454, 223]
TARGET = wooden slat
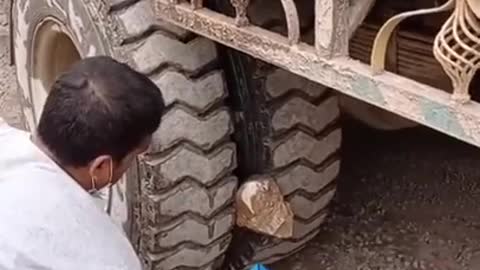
[413, 56]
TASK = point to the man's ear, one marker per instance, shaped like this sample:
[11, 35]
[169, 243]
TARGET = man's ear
[99, 168]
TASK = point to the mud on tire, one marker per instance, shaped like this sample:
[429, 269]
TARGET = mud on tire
[181, 214]
[298, 146]
[287, 127]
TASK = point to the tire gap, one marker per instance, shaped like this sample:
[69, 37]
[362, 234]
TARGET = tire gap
[122, 5]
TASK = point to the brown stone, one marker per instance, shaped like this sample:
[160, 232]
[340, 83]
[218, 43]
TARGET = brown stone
[262, 208]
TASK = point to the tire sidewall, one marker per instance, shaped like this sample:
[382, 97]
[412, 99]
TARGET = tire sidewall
[74, 18]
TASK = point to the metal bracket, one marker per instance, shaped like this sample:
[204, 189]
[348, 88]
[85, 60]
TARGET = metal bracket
[418, 102]
[380, 45]
[331, 27]
[457, 47]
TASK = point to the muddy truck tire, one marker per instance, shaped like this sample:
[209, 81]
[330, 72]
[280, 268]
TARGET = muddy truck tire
[297, 143]
[177, 205]
[288, 129]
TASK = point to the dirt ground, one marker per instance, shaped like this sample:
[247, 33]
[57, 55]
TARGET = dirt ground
[9, 103]
[406, 200]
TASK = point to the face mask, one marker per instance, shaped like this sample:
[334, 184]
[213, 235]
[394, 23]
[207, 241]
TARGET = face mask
[103, 194]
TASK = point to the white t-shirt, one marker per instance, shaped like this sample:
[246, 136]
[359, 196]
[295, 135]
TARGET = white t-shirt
[47, 221]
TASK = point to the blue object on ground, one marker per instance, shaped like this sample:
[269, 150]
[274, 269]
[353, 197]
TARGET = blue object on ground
[259, 266]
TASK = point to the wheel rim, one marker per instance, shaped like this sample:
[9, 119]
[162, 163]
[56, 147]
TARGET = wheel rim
[53, 52]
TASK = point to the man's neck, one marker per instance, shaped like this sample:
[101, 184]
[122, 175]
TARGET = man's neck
[75, 173]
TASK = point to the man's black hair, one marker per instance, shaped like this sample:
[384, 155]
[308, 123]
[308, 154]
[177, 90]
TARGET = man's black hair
[99, 107]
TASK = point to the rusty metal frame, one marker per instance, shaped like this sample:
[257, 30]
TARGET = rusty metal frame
[327, 63]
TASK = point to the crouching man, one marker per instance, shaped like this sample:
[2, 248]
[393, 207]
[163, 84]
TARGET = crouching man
[99, 116]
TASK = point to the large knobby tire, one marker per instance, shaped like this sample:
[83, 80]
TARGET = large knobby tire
[297, 145]
[287, 128]
[180, 215]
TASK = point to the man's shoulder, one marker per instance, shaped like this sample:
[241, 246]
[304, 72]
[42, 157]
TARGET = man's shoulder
[63, 220]
[6, 129]
[13, 143]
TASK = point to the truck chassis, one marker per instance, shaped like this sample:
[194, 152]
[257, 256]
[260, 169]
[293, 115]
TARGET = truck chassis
[327, 61]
